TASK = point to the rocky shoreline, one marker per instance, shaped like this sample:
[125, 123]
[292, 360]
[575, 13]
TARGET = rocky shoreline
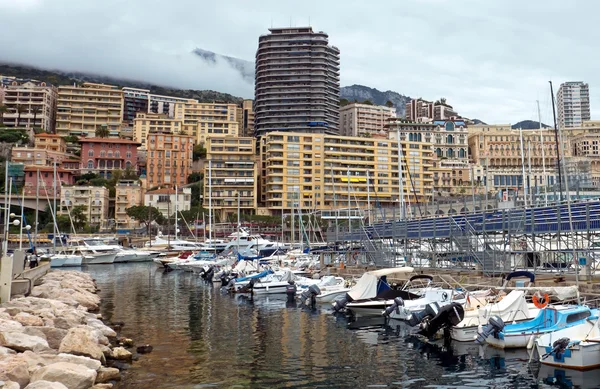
[52, 339]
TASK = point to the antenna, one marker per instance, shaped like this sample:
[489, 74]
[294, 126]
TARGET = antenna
[309, 21]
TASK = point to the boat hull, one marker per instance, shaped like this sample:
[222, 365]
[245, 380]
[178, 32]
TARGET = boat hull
[583, 356]
[99, 259]
[329, 297]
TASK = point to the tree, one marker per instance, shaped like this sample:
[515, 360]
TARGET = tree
[195, 177]
[102, 131]
[35, 110]
[344, 102]
[71, 139]
[130, 173]
[20, 110]
[389, 104]
[145, 215]
[368, 102]
[3, 110]
[79, 217]
[199, 152]
[63, 222]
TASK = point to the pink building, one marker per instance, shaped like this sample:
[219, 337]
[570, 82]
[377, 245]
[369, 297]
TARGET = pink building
[46, 180]
[103, 155]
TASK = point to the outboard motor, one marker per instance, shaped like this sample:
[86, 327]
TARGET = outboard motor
[398, 302]
[208, 276]
[449, 315]
[248, 288]
[340, 304]
[431, 310]
[225, 278]
[494, 326]
[202, 271]
[290, 290]
[558, 348]
[310, 293]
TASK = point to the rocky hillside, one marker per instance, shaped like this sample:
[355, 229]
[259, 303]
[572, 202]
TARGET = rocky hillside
[57, 77]
[362, 93]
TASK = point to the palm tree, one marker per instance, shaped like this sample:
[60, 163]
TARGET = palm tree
[102, 131]
[20, 110]
[3, 110]
[35, 110]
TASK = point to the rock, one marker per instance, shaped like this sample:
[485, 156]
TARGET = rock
[106, 374]
[28, 319]
[9, 324]
[15, 369]
[33, 331]
[144, 349]
[123, 341]
[35, 361]
[82, 341]
[6, 351]
[45, 385]
[87, 362]
[21, 342]
[102, 386]
[71, 375]
[54, 336]
[9, 385]
[121, 354]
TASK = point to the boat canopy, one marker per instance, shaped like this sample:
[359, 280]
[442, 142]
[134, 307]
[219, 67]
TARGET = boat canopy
[245, 258]
[391, 270]
[513, 304]
[257, 275]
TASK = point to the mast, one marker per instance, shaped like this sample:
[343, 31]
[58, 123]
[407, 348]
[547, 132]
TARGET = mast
[529, 172]
[369, 196]
[238, 220]
[55, 227]
[176, 209]
[525, 189]
[210, 201]
[556, 136]
[349, 218]
[37, 204]
[543, 155]
[169, 222]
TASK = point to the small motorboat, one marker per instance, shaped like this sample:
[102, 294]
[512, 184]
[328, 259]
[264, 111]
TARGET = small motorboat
[549, 319]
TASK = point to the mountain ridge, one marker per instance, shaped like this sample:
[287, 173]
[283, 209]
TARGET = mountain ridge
[361, 93]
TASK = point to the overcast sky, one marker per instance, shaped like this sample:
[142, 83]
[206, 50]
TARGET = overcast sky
[491, 59]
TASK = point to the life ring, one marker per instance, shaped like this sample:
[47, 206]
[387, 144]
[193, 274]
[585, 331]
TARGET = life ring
[541, 304]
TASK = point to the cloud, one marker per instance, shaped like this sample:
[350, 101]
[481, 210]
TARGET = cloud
[491, 60]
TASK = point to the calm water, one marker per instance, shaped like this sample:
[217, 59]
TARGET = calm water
[203, 339]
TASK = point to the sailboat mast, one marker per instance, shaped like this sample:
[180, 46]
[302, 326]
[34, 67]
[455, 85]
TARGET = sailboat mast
[400, 178]
[37, 205]
[54, 192]
[556, 136]
[543, 155]
[529, 172]
[210, 200]
[176, 209]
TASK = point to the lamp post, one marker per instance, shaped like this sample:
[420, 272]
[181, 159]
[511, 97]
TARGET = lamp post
[17, 222]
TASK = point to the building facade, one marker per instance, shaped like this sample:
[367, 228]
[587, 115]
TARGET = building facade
[81, 110]
[364, 119]
[105, 155]
[169, 159]
[201, 120]
[420, 110]
[30, 103]
[573, 104]
[39, 180]
[297, 84]
[135, 100]
[164, 200]
[232, 172]
[128, 193]
[93, 198]
[324, 172]
[146, 123]
[245, 118]
[51, 142]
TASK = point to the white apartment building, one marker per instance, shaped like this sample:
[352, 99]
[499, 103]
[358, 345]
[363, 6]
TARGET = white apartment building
[573, 101]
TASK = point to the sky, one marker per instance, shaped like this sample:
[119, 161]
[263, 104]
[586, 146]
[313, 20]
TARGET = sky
[490, 59]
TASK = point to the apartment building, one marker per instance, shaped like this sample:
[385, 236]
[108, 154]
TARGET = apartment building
[146, 123]
[93, 198]
[83, 109]
[498, 149]
[201, 120]
[39, 181]
[297, 83]
[31, 104]
[169, 159]
[364, 119]
[105, 155]
[573, 104]
[233, 172]
[165, 200]
[135, 100]
[323, 172]
[51, 142]
[420, 110]
[245, 118]
[128, 193]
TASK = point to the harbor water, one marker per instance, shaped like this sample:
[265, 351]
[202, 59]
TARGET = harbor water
[202, 338]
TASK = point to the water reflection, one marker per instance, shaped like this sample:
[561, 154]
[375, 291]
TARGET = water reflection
[204, 338]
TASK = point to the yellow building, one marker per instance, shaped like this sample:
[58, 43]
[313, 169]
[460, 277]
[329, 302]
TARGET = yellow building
[146, 123]
[245, 118]
[93, 198]
[169, 159]
[30, 103]
[83, 109]
[321, 172]
[201, 120]
[51, 142]
[364, 119]
[232, 171]
[128, 193]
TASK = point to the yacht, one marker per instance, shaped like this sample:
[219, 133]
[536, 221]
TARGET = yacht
[93, 251]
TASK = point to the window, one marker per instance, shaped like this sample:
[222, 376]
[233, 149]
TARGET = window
[90, 153]
[102, 154]
[90, 164]
[577, 316]
[128, 155]
[117, 154]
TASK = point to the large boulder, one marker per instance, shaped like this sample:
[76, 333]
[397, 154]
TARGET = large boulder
[71, 375]
[121, 354]
[14, 369]
[102, 328]
[21, 342]
[54, 336]
[6, 351]
[28, 319]
[9, 324]
[106, 374]
[82, 341]
[45, 385]
[35, 361]
[9, 385]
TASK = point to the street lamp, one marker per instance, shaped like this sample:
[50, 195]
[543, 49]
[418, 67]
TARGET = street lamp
[16, 223]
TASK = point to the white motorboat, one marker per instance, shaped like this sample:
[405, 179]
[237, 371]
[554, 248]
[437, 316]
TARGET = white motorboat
[576, 347]
[274, 283]
[124, 256]
[440, 296]
[65, 260]
[511, 308]
[331, 289]
[92, 258]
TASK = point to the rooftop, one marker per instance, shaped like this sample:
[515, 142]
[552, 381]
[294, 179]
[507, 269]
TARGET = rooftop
[109, 140]
[46, 135]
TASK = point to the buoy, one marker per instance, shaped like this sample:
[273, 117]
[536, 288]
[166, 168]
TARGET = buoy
[543, 303]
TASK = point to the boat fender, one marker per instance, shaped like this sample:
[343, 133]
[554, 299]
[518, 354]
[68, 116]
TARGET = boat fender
[398, 302]
[558, 348]
[430, 310]
[340, 304]
[494, 326]
[540, 303]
